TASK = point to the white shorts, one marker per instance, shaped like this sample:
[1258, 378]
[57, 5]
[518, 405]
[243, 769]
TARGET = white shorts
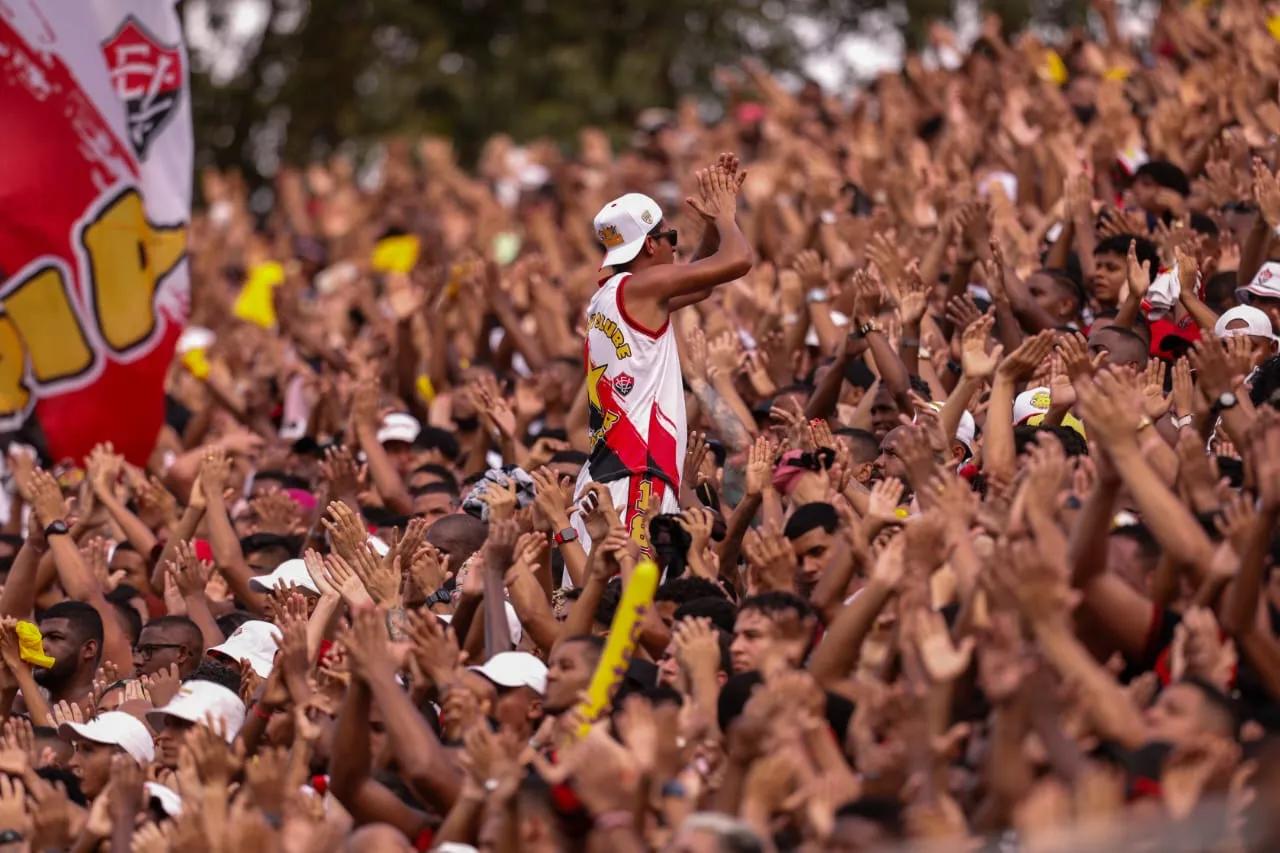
[631, 496]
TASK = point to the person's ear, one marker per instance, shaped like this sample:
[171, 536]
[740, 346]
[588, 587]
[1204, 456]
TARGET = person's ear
[650, 246]
[535, 710]
[89, 650]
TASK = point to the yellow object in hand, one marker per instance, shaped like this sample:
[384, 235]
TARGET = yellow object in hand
[395, 254]
[637, 598]
[1054, 68]
[196, 363]
[31, 645]
[425, 389]
[255, 303]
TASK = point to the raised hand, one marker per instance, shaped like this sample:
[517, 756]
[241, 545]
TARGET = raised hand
[339, 470]
[771, 558]
[718, 187]
[346, 532]
[348, 584]
[189, 575]
[381, 581]
[760, 466]
[1023, 362]
[975, 360]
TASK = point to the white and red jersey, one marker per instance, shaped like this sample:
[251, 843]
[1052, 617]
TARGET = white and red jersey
[638, 425]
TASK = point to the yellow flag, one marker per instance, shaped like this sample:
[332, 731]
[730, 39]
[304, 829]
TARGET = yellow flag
[196, 362]
[254, 304]
[395, 254]
[1273, 26]
[1054, 69]
[426, 390]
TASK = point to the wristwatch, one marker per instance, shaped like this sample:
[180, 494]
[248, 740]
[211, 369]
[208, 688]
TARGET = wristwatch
[1182, 422]
[1226, 400]
[817, 294]
[56, 528]
[440, 596]
[566, 535]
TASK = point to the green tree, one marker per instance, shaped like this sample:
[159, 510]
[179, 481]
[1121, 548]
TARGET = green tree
[332, 70]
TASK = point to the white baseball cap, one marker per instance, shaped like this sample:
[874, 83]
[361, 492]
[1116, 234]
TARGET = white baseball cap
[1031, 402]
[1243, 320]
[515, 669]
[965, 430]
[197, 701]
[170, 802]
[291, 572]
[398, 426]
[254, 641]
[1032, 405]
[195, 337]
[1265, 283]
[622, 224]
[114, 728]
[514, 627]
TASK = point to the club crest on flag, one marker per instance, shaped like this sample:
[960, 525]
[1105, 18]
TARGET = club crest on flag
[148, 78]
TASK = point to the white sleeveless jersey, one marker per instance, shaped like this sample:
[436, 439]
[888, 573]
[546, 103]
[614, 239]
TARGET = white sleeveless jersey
[634, 383]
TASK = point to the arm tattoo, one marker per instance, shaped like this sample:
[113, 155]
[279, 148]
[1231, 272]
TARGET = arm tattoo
[737, 441]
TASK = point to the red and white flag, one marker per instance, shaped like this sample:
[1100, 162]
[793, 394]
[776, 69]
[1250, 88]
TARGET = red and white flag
[95, 198]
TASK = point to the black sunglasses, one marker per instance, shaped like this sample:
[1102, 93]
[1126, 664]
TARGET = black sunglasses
[669, 236]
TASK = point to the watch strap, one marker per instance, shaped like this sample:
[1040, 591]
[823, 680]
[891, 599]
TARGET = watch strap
[568, 534]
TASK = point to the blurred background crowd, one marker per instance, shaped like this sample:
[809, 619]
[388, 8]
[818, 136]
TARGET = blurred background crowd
[978, 532]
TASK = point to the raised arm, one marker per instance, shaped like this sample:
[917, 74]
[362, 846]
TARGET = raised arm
[76, 579]
[648, 293]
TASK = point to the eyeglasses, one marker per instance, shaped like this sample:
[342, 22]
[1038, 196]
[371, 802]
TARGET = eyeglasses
[669, 236]
[146, 650]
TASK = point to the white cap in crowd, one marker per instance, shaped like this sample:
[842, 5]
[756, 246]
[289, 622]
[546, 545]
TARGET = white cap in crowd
[397, 426]
[514, 627]
[622, 225]
[1031, 402]
[1244, 320]
[170, 802]
[515, 669]
[1265, 283]
[114, 728]
[254, 641]
[966, 430]
[290, 572]
[198, 701]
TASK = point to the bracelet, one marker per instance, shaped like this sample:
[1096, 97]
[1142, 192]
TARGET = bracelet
[1182, 422]
[791, 319]
[11, 836]
[816, 295]
[1143, 423]
[955, 367]
[674, 788]
[869, 327]
[259, 713]
[616, 819]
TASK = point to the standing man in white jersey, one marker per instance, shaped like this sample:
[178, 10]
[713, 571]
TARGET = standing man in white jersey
[637, 416]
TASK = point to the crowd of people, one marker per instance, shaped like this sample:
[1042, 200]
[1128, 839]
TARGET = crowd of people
[959, 467]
